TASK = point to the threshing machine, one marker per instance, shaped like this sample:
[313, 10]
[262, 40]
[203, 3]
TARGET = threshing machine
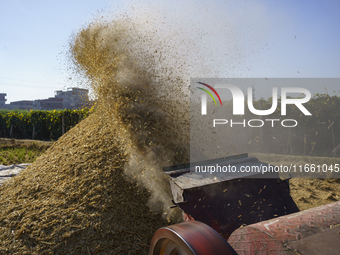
[240, 213]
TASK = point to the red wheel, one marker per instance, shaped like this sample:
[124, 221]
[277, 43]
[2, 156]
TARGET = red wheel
[189, 238]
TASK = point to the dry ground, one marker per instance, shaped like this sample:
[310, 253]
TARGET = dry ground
[308, 192]
[75, 198]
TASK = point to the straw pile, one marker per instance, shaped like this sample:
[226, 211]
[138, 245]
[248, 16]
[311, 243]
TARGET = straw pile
[100, 189]
[75, 199]
[307, 192]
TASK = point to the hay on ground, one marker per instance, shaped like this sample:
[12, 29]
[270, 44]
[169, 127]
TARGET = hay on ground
[75, 199]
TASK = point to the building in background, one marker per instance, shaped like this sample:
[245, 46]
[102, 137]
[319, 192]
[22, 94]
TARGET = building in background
[48, 104]
[22, 105]
[72, 98]
[2, 100]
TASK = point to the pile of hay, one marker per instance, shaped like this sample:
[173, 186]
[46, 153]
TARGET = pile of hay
[100, 188]
[307, 192]
[75, 199]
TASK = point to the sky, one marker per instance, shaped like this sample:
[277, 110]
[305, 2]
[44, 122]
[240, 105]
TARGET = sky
[246, 39]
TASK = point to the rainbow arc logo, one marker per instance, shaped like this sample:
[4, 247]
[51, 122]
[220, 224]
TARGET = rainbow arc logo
[209, 93]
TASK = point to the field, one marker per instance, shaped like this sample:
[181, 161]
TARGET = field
[307, 193]
[76, 198]
[13, 151]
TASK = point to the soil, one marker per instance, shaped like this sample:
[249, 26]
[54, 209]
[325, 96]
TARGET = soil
[6, 143]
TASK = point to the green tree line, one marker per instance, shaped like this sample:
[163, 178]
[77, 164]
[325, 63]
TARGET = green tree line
[39, 124]
[315, 135]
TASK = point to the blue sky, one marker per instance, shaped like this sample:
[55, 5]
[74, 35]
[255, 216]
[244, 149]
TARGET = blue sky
[242, 38]
[33, 34]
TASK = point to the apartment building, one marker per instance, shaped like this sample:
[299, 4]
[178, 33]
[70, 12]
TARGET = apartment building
[72, 98]
[3, 100]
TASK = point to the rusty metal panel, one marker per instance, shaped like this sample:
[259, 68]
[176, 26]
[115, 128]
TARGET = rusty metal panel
[324, 242]
[314, 231]
[302, 224]
[251, 241]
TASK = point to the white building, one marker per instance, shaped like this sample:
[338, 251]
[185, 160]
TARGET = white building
[73, 98]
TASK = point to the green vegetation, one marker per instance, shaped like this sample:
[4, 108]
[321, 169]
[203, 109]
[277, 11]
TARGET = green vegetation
[21, 151]
[315, 135]
[18, 155]
[37, 124]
